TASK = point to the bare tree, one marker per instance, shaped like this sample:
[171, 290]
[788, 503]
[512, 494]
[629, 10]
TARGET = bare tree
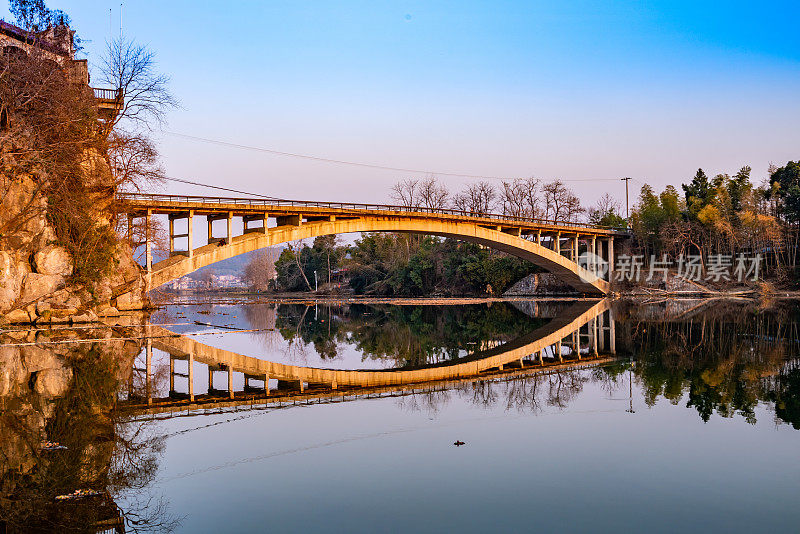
[561, 204]
[604, 205]
[134, 161]
[129, 68]
[476, 199]
[260, 270]
[207, 277]
[432, 195]
[405, 192]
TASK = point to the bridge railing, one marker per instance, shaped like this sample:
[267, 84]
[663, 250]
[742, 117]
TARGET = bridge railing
[258, 202]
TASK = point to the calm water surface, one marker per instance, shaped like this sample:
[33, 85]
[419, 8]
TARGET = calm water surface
[690, 424]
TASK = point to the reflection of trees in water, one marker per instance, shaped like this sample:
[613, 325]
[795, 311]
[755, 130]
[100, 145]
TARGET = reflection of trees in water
[404, 335]
[262, 316]
[785, 393]
[725, 361]
[556, 388]
[103, 453]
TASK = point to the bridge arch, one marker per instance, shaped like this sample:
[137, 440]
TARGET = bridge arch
[570, 272]
[576, 316]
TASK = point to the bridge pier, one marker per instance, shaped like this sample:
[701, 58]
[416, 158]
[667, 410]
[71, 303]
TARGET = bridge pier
[147, 246]
[247, 219]
[148, 371]
[191, 376]
[610, 257]
[189, 235]
[576, 344]
[612, 334]
[558, 243]
[602, 328]
[211, 219]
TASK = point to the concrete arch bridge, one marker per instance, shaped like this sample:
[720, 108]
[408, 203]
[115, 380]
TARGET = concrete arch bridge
[581, 334]
[552, 245]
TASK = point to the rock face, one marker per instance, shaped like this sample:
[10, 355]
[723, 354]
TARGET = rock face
[53, 260]
[540, 284]
[63, 393]
[35, 271]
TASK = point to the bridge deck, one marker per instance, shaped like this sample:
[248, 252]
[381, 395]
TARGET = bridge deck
[201, 205]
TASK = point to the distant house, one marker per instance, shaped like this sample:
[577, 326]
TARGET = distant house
[56, 44]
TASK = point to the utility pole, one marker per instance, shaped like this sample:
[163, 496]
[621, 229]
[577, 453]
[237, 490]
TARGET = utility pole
[627, 212]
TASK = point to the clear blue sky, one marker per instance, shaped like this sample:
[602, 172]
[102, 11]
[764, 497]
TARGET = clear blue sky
[573, 90]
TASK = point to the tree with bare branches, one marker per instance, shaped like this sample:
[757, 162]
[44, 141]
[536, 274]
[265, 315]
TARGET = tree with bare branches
[477, 198]
[260, 271]
[432, 194]
[520, 197]
[130, 69]
[560, 202]
[405, 192]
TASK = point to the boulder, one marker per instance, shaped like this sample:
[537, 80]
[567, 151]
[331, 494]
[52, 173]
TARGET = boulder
[129, 301]
[12, 273]
[57, 315]
[53, 259]
[39, 285]
[38, 359]
[53, 382]
[87, 317]
[13, 375]
[17, 316]
[107, 311]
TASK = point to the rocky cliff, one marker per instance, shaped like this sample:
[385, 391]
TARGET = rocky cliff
[36, 272]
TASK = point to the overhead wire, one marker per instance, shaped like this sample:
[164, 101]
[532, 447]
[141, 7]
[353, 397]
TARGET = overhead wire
[359, 164]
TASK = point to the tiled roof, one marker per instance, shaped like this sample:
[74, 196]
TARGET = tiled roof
[31, 38]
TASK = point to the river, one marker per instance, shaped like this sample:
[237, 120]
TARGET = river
[489, 416]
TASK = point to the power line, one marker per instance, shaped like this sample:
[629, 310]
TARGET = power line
[181, 180]
[359, 164]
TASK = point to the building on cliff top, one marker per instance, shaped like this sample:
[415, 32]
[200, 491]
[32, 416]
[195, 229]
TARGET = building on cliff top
[57, 44]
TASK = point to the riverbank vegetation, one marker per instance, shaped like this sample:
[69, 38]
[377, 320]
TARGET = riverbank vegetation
[725, 214]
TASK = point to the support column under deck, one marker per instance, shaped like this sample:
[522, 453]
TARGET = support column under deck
[190, 232]
[190, 372]
[575, 249]
[610, 257]
[147, 241]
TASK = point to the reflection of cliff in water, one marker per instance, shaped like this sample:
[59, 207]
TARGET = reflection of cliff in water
[725, 357]
[64, 394]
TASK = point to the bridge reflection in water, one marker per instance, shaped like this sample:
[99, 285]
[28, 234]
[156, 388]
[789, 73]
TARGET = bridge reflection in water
[582, 335]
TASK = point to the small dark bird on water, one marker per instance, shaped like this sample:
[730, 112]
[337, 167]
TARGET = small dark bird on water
[458, 443]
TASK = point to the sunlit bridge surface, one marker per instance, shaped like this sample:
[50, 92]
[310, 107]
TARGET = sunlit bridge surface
[243, 415]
